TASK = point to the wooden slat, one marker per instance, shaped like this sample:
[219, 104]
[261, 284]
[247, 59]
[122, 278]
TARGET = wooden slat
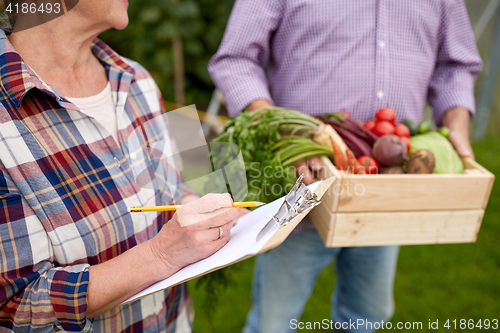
[413, 193]
[324, 221]
[401, 228]
[471, 164]
[370, 210]
[331, 197]
[378, 193]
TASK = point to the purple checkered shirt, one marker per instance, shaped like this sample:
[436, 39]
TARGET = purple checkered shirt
[321, 56]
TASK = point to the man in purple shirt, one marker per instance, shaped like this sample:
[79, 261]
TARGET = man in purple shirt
[321, 56]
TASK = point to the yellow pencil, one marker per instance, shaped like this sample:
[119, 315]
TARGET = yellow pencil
[175, 207]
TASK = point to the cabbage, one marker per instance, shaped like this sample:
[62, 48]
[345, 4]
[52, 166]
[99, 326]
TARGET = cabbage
[447, 159]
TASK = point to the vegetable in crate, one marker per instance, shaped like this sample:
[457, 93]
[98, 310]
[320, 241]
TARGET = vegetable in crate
[444, 131]
[393, 170]
[447, 159]
[326, 135]
[369, 125]
[389, 150]
[386, 114]
[356, 137]
[425, 127]
[383, 127]
[353, 165]
[412, 126]
[369, 163]
[421, 161]
[271, 140]
[407, 143]
[346, 115]
[339, 157]
[402, 130]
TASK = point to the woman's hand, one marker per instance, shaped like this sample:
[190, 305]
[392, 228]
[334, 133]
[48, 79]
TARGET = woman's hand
[193, 232]
[191, 235]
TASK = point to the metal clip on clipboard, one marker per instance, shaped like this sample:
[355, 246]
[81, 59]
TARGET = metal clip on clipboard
[297, 201]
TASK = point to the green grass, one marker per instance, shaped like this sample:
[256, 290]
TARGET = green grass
[436, 282]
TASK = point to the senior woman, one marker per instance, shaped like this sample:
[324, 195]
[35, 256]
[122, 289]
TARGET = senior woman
[70, 251]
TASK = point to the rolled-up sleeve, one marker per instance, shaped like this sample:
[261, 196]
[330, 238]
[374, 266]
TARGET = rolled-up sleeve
[238, 67]
[457, 65]
[35, 294]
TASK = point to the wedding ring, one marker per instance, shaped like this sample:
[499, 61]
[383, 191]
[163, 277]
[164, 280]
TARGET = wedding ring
[221, 232]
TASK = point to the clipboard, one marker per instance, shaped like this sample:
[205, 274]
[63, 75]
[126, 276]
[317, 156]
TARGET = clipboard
[273, 240]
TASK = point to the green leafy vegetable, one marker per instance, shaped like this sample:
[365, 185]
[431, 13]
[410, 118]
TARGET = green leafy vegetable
[447, 159]
[271, 140]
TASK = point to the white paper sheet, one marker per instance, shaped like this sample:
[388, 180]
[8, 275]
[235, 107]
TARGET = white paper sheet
[243, 243]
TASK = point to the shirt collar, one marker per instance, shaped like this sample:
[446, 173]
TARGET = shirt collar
[110, 58]
[17, 78]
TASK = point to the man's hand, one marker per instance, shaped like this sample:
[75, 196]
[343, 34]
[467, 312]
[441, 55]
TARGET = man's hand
[457, 120]
[259, 104]
[310, 169]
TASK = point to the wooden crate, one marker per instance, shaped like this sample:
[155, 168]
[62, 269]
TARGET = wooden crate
[370, 210]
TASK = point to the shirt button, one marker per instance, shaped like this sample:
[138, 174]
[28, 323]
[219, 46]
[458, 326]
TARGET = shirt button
[133, 156]
[380, 94]
[381, 44]
[117, 161]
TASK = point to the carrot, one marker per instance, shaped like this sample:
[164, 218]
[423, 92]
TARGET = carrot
[353, 164]
[338, 156]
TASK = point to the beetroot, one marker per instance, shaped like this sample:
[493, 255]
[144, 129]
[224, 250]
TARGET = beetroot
[389, 150]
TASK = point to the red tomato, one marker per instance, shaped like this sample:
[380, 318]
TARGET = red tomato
[370, 124]
[407, 143]
[387, 114]
[346, 115]
[402, 130]
[383, 127]
[370, 165]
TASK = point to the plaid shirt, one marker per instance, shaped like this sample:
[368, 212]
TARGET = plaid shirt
[65, 186]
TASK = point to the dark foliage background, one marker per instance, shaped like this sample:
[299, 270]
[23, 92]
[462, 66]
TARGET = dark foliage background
[148, 40]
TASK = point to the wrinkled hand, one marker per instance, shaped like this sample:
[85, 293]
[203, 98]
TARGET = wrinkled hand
[310, 169]
[193, 232]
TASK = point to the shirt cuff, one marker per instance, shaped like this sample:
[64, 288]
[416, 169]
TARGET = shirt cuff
[448, 100]
[68, 295]
[241, 94]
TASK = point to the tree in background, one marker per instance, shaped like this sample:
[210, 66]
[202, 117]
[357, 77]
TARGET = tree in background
[161, 29]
